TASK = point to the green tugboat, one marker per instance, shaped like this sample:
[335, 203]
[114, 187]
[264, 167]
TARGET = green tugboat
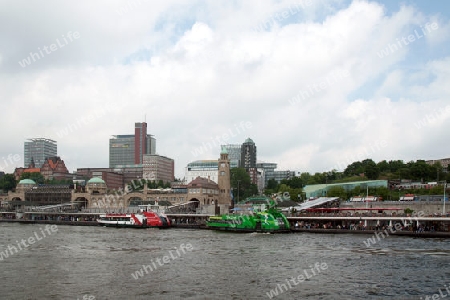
[255, 214]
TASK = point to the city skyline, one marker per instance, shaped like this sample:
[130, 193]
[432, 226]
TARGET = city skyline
[313, 85]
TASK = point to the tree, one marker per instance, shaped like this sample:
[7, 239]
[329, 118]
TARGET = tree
[408, 211]
[420, 170]
[160, 184]
[35, 176]
[395, 165]
[251, 191]
[383, 166]
[337, 191]
[436, 172]
[305, 177]
[7, 182]
[241, 180]
[404, 173]
[382, 192]
[355, 168]
[272, 184]
[319, 178]
[371, 169]
[295, 182]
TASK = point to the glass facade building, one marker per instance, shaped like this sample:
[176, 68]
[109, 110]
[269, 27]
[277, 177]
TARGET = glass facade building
[37, 150]
[234, 154]
[121, 150]
[129, 149]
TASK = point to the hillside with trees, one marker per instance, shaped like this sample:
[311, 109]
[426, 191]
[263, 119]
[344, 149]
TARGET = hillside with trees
[395, 170]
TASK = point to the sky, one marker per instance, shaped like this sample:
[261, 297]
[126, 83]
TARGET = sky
[316, 85]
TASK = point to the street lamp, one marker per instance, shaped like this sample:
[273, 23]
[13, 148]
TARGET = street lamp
[445, 185]
[238, 190]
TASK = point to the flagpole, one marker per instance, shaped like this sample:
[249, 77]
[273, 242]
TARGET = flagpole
[445, 185]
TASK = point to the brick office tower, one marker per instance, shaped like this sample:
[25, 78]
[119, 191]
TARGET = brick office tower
[224, 178]
[129, 149]
[140, 142]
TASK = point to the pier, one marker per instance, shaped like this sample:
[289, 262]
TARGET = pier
[427, 226]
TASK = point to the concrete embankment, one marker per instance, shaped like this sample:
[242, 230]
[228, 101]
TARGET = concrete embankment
[425, 234]
[73, 223]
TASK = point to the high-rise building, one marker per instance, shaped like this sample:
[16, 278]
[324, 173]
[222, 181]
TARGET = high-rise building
[248, 159]
[248, 154]
[156, 167]
[140, 142]
[129, 149]
[121, 150]
[37, 150]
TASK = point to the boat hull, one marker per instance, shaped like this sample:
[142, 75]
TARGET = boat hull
[271, 222]
[130, 226]
[257, 214]
[249, 230]
[140, 220]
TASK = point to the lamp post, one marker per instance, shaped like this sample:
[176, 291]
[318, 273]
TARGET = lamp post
[238, 190]
[443, 209]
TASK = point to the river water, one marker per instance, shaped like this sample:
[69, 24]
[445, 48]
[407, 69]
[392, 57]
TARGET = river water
[107, 263]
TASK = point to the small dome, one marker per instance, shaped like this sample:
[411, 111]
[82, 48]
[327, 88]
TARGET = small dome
[96, 180]
[249, 140]
[27, 181]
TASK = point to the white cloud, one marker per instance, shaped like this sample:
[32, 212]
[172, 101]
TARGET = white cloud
[195, 70]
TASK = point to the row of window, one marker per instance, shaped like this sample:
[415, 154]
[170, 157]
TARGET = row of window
[205, 191]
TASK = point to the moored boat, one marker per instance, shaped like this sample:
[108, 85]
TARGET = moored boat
[256, 214]
[148, 216]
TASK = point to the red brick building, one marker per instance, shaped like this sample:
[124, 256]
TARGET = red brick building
[55, 168]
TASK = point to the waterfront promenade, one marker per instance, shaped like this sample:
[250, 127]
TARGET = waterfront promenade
[399, 225]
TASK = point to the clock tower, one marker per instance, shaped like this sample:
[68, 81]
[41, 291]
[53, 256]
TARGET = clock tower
[224, 178]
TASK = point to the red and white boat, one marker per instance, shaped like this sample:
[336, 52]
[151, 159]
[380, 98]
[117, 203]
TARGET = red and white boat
[148, 216]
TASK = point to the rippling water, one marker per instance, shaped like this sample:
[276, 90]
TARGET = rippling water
[98, 263]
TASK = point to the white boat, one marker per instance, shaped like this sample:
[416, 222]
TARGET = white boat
[148, 216]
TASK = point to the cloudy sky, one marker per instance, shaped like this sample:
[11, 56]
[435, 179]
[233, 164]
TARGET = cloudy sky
[316, 84]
